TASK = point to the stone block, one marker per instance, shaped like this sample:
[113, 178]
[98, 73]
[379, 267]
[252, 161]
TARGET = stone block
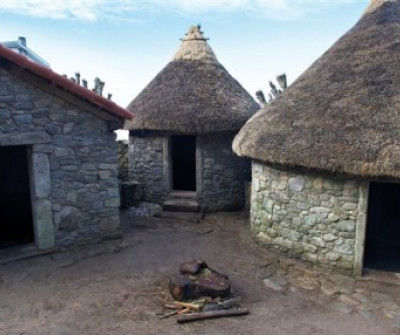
[43, 223]
[346, 226]
[332, 217]
[348, 206]
[68, 127]
[105, 174]
[334, 185]
[6, 98]
[318, 242]
[109, 224]
[344, 249]
[283, 242]
[255, 185]
[41, 175]
[279, 185]
[108, 166]
[329, 237]
[290, 234]
[68, 219]
[112, 202]
[89, 166]
[320, 209]
[64, 152]
[332, 256]
[317, 184]
[24, 138]
[309, 248]
[23, 119]
[69, 167]
[311, 220]
[296, 184]
[4, 114]
[264, 238]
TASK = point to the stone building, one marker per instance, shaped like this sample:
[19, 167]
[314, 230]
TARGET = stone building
[326, 169]
[58, 158]
[181, 136]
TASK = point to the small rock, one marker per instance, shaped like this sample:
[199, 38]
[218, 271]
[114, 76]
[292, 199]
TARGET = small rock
[378, 297]
[391, 313]
[124, 244]
[144, 209]
[349, 300]
[297, 183]
[362, 297]
[263, 273]
[328, 289]
[306, 284]
[369, 315]
[341, 307]
[63, 263]
[276, 283]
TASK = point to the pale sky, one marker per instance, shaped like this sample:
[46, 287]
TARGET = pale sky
[127, 42]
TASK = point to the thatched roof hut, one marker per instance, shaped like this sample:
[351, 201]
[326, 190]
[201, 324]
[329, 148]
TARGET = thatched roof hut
[343, 114]
[193, 94]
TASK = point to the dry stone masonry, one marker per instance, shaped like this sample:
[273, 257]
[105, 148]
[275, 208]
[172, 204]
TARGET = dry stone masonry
[73, 163]
[220, 174]
[146, 166]
[309, 216]
[223, 174]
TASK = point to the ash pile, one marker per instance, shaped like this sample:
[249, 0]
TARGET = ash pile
[200, 292]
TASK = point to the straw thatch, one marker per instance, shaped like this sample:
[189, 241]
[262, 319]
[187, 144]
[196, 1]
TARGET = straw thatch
[193, 94]
[343, 113]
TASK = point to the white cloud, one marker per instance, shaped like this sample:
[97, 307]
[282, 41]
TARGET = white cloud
[93, 10]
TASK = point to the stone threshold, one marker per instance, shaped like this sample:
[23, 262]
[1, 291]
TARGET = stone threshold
[379, 276]
[20, 252]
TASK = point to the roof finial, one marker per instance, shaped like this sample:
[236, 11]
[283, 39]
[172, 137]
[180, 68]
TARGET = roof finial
[194, 34]
[194, 47]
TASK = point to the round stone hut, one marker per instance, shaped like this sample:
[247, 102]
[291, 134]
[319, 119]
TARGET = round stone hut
[180, 141]
[326, 154]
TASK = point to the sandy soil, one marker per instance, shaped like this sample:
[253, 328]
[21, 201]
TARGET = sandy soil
[99, 290]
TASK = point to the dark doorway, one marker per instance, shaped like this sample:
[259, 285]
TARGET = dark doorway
[382, 248]
[16, 226]
[183, 150]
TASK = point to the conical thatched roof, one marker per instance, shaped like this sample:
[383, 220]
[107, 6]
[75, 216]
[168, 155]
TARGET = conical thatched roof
[193, 94]
[343, 113]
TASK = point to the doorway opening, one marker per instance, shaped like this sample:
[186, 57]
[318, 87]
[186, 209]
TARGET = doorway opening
[183, 152]
[16, 224]
[382, 247]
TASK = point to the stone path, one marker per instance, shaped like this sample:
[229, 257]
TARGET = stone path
[374, 296]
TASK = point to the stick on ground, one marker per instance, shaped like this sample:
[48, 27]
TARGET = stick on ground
[211, 314]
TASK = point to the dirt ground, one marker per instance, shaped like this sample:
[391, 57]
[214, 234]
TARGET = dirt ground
[119, 287]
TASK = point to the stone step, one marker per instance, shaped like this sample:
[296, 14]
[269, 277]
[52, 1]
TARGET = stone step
[182, 195]
[181, 205]
[192, 217]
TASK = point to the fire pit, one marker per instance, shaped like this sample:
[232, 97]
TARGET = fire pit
[199, 293]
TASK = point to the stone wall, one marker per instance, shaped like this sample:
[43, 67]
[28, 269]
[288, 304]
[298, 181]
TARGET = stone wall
[79, 194]
[123, 163]
[146, 165]
[306, 215]
[222, 174]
